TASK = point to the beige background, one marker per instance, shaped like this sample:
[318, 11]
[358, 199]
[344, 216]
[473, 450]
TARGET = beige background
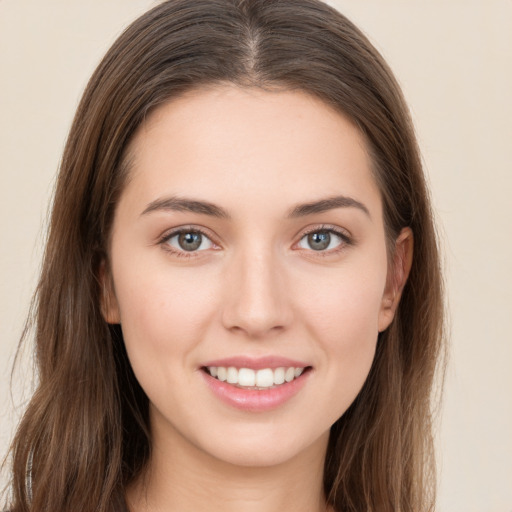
[454, 61]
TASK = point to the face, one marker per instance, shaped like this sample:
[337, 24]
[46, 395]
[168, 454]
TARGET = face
[250, 271]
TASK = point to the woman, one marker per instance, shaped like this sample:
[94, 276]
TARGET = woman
[240, 303]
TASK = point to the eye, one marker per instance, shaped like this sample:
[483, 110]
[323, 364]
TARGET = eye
[322, 240]
[188, 241]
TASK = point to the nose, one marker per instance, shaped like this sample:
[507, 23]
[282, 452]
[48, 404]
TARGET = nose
[257, 304]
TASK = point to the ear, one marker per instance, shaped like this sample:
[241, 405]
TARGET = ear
[108, 302]
[398, 272]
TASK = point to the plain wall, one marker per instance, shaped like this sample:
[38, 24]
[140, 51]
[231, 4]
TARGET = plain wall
[454, 61]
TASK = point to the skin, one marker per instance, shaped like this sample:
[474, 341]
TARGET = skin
[255, 287]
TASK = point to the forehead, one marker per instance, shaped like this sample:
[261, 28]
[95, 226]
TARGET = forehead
[226, 141]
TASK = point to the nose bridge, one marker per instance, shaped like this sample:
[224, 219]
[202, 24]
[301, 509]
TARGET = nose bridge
[257, 303]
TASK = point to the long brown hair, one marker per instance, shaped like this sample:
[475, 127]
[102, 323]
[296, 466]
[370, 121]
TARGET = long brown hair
[85, 434]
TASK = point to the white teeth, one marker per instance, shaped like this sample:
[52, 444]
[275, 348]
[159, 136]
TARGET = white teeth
[265, 378]
[247, 377]
[279, 376]
[232, 375]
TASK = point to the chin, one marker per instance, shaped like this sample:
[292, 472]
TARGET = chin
[264, 449]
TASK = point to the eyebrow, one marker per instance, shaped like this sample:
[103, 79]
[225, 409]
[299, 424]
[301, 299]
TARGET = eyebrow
[181, 204]
[327, 204]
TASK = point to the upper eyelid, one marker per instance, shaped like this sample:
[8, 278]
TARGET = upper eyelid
[346, 237]
[187, 229]
[163, 242]
[344, 233]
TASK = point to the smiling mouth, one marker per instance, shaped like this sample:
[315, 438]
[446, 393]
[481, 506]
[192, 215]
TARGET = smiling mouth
[247, 378]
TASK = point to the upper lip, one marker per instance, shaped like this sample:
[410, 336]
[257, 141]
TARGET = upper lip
[257, 363]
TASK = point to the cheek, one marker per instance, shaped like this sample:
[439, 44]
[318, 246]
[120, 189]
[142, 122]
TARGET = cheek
[341, 314]
[347, 330]
[343, 307]
[164, 314]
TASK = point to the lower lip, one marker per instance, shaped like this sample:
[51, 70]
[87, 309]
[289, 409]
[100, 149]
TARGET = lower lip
[253, 400]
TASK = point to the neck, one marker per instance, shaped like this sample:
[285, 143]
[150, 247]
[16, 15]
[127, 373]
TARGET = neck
[181, 477]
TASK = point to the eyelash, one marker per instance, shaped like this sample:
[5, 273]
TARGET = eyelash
[346, 240]
[187, 229]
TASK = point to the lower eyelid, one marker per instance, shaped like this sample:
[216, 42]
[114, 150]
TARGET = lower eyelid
[164, 241]
[345, 238]
[197, 250]
[340, 243]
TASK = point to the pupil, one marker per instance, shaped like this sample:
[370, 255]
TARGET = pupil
[190, 241]
[319, 241]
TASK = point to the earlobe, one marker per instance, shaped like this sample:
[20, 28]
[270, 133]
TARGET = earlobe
[108, 301]
[398, 273]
